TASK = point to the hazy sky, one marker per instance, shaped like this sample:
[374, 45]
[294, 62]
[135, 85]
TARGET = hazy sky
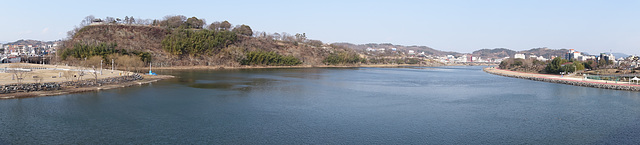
[452, 25]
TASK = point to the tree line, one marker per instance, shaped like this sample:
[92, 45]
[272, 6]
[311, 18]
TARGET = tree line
[343, 57]
[269, 58]
[558, 65]
[554, 66]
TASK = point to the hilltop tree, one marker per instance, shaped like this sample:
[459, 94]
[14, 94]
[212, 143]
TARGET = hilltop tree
[87, 20]
[195, 23]
[110, 20]
[301, 37]
[243, 30]
[225, 25]
[132, 20]
[155, 22]
[214, 26]
[173, 21]
[277, 36]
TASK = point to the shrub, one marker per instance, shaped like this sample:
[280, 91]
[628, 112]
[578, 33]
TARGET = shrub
[269, 58]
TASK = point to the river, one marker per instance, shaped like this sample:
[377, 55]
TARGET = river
[439, 105]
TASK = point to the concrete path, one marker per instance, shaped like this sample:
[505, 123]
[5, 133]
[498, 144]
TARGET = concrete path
[559, 77]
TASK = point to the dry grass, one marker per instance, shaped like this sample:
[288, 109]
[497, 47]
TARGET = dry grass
[49, 75]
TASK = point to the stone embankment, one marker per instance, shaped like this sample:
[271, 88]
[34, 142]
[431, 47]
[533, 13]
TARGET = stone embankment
[568, 82]
[51, 86]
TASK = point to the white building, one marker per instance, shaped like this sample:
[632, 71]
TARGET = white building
[371, 49]
[540, 58]
[519, 55]
[586, 57]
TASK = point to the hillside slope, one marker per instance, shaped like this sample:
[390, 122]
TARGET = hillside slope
[136, 38]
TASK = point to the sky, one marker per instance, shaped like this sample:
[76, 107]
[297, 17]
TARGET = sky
[591, 26]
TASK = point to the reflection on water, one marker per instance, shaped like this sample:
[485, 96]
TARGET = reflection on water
[236, 84]
[421, 105]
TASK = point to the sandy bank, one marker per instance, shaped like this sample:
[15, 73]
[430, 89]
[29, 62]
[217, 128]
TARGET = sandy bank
[576, 81]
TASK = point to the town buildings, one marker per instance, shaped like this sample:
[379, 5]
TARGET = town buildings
[28, 50]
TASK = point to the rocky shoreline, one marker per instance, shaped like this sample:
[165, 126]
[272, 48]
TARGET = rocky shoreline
[314, 66]
[12, 91]
[568, 82]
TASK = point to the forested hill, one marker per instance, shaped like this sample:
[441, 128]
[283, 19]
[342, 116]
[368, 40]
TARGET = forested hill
[494, 53]
[181, 41]
[503, 52]
[31, 42]
[417, 49]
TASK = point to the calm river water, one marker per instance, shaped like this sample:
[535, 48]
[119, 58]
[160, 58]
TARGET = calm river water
[442, 105]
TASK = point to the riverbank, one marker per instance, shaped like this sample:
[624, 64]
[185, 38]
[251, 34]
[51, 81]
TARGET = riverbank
[308, 66]
[64, 87]
[569, 80]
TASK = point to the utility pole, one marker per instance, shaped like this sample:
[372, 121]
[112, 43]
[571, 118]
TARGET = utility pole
[101, 67]
[112, 65]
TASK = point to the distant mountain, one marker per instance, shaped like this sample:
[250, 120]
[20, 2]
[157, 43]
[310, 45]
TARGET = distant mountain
[494, 53]
[503, 52]
[545, 52]
[401, 48]
[30, 42]
[618, 55]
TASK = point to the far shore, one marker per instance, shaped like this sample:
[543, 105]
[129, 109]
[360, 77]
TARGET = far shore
[569, 80]
[304, 66]
[153, 78]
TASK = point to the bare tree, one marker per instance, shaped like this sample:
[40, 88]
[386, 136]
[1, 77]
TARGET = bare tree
[87, 20]
[143, 21]
[277, 36]
[301, 37]
[80, 75]
[72, 32]
[132, 20]
[137, 64]
[93, 63]
[110, 20]
[129, 61]
[67, 74]
[18, 72]
[173, 21]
